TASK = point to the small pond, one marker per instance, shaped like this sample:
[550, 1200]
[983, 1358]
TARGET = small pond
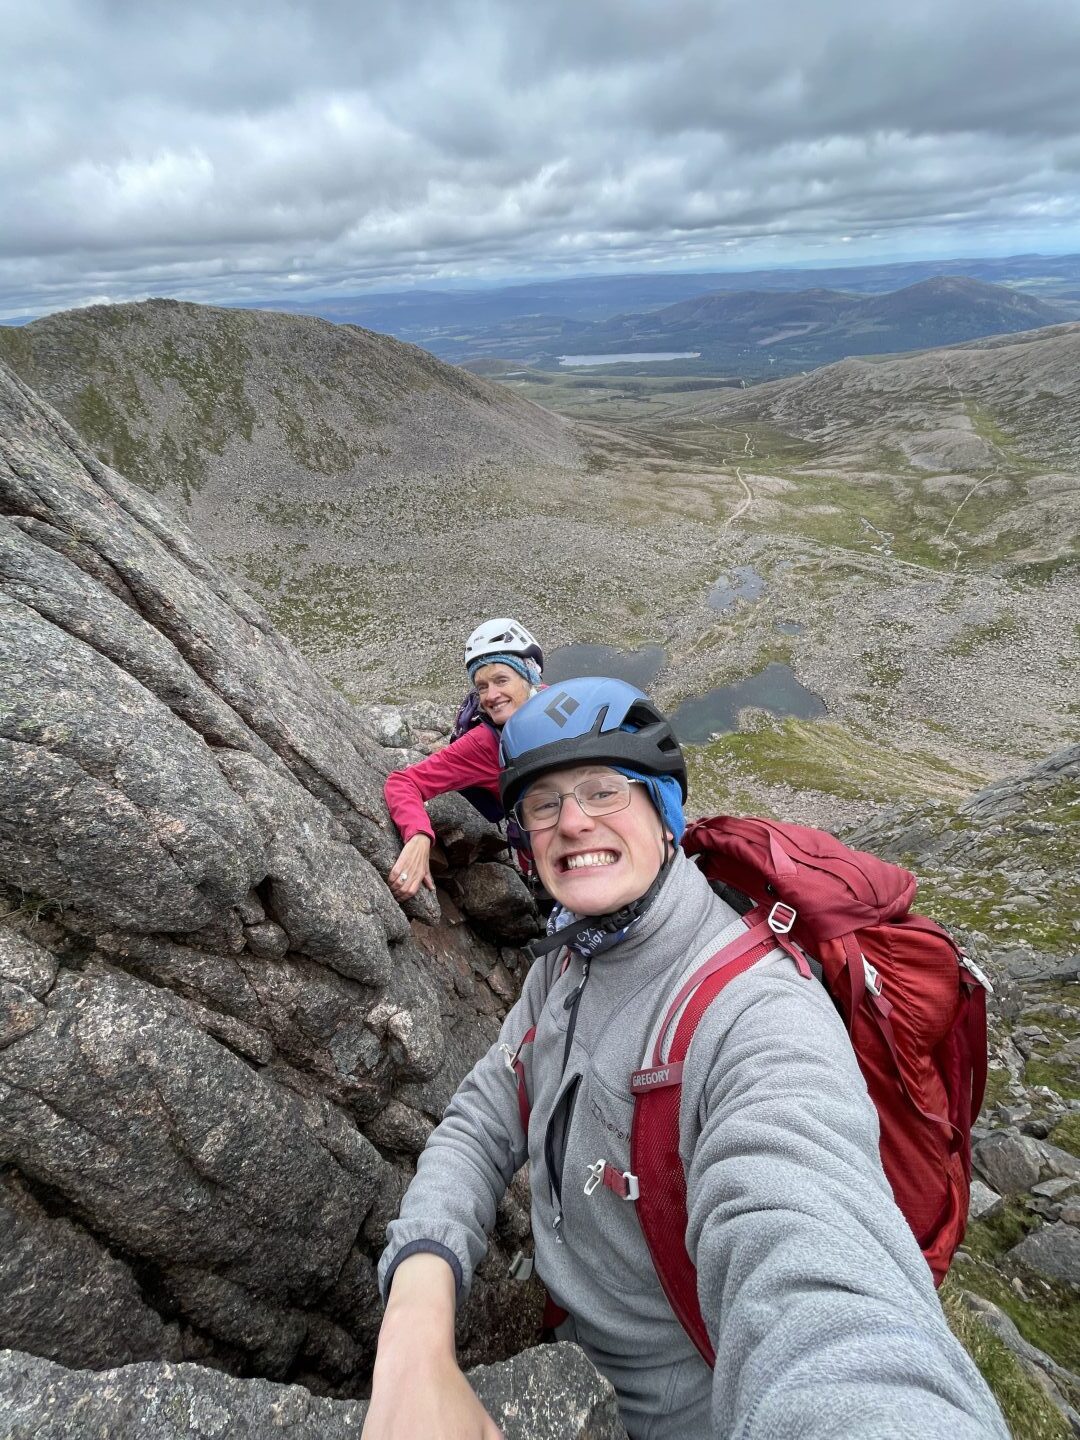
[641, 357]
[636, 667]
[790, 627]
[744, 583]
[774, 689]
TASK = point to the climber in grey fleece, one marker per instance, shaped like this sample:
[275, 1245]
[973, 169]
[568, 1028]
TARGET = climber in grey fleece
[815, 1295]
[818, 1301]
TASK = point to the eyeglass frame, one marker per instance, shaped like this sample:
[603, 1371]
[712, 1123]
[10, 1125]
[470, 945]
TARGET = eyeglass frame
[564, 795]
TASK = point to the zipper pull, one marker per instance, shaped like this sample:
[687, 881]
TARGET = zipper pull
[575, 994]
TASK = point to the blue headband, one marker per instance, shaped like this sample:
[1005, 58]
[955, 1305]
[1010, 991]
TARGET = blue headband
[666, 796]
[527, 669]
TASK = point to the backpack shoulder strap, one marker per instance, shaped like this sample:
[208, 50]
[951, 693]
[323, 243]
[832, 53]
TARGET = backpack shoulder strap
[516, 1065]
[655, 1159]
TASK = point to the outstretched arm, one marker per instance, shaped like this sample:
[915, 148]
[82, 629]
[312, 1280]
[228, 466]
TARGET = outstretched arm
[417, 1388]
[818, 1301]
[472, 760]
[470, 1157]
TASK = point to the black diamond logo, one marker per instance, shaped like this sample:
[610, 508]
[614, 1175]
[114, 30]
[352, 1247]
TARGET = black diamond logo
[561, 708]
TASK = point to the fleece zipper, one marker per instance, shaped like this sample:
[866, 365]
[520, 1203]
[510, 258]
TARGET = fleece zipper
[557, 1133]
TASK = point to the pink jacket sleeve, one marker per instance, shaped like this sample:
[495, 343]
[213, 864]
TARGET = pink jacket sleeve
[472, 760]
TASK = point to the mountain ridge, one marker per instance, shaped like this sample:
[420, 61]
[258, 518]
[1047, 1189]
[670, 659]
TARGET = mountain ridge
[1030, 379]
[916, 542]
[817, 326]
[187, 369]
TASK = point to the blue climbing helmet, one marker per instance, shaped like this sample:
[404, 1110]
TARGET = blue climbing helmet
[577, 722]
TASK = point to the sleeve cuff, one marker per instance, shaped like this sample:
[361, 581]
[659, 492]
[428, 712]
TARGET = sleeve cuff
[422, 1247]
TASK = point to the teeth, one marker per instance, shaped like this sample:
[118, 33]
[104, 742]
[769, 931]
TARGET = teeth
[596, 857]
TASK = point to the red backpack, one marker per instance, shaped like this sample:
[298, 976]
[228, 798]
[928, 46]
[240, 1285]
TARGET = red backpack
[913, 1004]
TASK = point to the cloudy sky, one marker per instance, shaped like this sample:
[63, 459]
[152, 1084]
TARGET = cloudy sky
[261, 149]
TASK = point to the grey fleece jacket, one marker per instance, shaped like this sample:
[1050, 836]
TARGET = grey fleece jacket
[818, 1302]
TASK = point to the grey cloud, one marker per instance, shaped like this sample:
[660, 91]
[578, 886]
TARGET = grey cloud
[995, 67]
[214, 150]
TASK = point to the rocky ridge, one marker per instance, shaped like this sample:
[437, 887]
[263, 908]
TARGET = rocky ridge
[222, 1043]
[546, 1394]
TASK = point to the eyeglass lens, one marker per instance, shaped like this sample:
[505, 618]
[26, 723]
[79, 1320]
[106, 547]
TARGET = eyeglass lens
[602, 795]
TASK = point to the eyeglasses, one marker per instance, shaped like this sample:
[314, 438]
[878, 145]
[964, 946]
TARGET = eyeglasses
[599, 795]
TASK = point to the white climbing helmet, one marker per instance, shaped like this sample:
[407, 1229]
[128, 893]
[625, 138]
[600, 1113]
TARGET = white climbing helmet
[502, 637]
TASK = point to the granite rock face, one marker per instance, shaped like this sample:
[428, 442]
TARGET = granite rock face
[1053, 1251]
[550, 1393]
[221, 1040]
[1010, 1163]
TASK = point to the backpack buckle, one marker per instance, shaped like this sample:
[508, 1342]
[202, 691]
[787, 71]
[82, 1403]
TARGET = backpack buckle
[782, 917]
[509, 1056]
[871, 976]
[622, 1182]
[980, 975]
[633, 1189]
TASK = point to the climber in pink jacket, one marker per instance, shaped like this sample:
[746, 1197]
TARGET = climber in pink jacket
[504, 663]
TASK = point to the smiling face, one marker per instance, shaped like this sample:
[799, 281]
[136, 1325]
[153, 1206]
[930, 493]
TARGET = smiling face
[501, 691]
[596, 864]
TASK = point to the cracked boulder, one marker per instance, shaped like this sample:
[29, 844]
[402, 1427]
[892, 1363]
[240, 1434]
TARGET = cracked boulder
[1010, 1163]
[551, 1393]
[498, 903]
[222, 1042]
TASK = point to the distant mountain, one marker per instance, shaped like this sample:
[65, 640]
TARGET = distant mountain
[337, 469]
[458, 324]
[757, 331]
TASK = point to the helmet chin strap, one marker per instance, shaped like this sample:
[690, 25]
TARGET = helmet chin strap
[594, 934]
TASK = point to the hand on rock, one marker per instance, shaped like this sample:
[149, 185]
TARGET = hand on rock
[435, 1401]
[417, 1388]
[411, 869]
